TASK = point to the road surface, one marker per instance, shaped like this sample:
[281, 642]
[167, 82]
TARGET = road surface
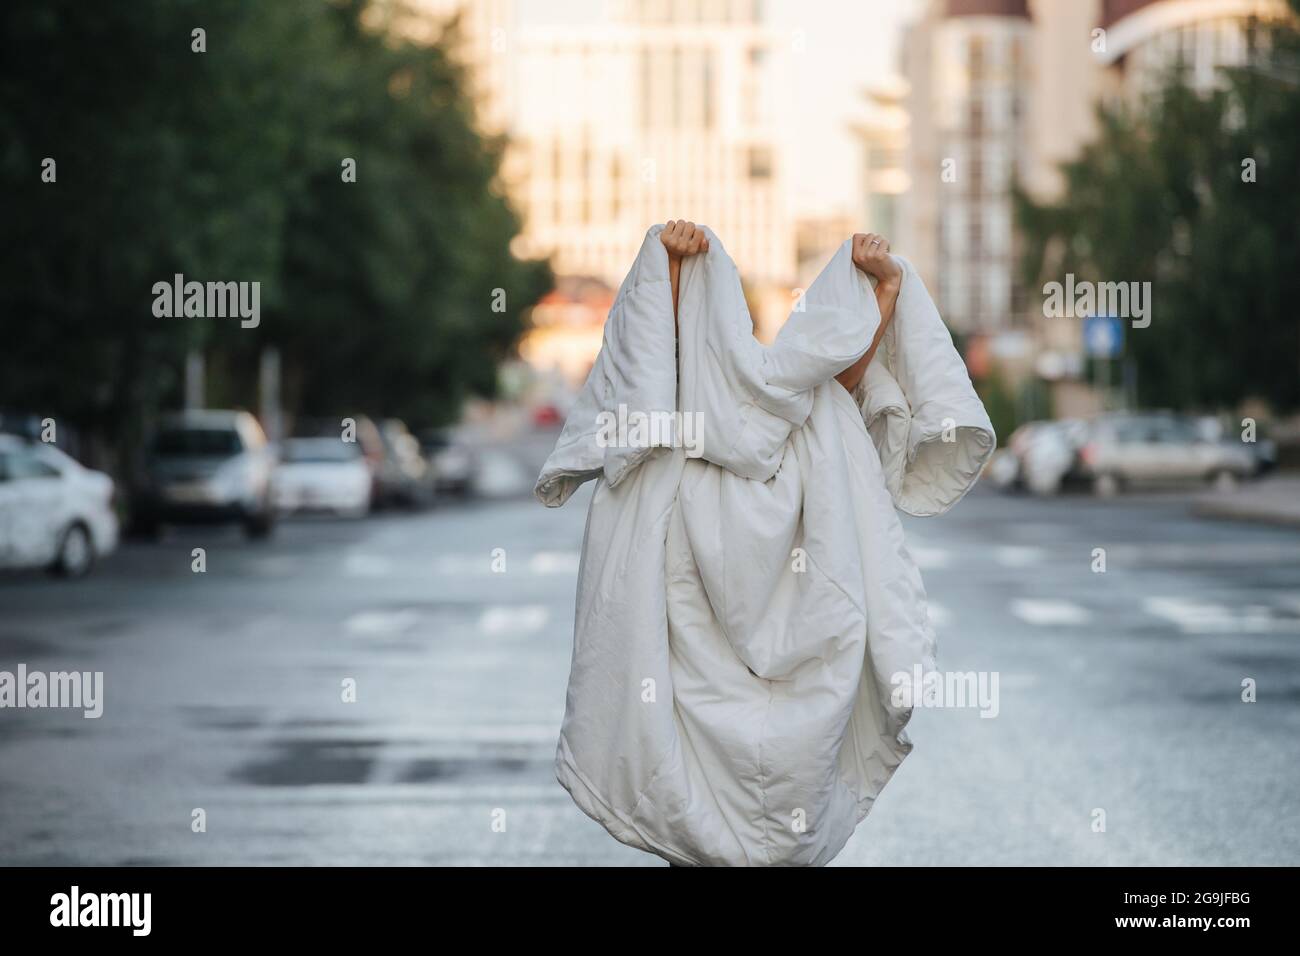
[1121, 736]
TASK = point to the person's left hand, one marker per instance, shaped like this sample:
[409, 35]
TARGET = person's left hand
[871, 255]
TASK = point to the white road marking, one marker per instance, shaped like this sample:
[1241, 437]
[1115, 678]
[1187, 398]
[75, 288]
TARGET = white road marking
[1018, 556]
[376, 623]
[360, 565]
[1193, 616]
[1045, 613]
[499, 620]
[554, 562]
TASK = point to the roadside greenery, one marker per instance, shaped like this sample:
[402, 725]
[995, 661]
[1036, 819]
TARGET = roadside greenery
[228, 165]
[1196, 194]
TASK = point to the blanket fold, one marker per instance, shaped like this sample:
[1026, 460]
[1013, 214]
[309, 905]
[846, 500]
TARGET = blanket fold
[746, 604]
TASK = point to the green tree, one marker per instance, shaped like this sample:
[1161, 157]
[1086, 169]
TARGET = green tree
[1163, 196]
[226, 165]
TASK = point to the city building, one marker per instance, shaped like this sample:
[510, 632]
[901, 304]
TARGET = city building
[1144, 38]
[969, 68]
[816, 240]
[883, 134]
[662, 112]
[659, 109]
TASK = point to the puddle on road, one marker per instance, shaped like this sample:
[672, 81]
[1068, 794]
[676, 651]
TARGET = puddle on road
[223, 718]
[303, 763]
[442, 771]
[19, 647]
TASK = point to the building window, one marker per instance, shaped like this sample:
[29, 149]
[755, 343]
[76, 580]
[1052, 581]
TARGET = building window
[616, 176]
[676, 69]
[708, 91]
[976, 58]
[760, 162]
[646, 89]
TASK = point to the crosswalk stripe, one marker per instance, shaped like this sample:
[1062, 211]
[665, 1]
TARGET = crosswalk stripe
[1207, 617]
[1042, 612]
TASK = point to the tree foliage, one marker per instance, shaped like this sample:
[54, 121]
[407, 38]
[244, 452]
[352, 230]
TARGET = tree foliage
[226, 165]
[1163, 195]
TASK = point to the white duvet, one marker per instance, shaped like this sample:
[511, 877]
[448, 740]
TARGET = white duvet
[746, 604]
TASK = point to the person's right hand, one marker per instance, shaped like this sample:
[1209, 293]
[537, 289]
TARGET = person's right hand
[682, 238]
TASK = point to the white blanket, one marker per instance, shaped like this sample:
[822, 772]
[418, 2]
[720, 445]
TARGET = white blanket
[745, 601]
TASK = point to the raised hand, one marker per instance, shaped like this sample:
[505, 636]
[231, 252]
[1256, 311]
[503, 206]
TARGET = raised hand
[682, 238]
[871, 255]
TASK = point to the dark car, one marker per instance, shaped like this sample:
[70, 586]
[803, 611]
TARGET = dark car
[404, 475]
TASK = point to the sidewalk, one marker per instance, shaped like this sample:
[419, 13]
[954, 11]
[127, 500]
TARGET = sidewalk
[1274, 500]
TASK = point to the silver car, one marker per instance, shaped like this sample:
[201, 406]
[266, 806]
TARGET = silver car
[1126, 450]
[207, 466]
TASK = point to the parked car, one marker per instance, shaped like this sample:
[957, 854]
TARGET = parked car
[1051, 455]
[207, 466]
[404, 475]
[1006, 467]
[1262, 449]
[1003, 470]
[1039, 456]
[322, 474]
[54, 513]
[359, 430]
[1159, 448]
[451, 460]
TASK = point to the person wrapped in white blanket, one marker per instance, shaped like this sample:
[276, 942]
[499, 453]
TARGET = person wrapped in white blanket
[749, 622]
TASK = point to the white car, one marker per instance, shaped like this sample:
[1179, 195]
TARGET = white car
[1050, 454]
[323, 474]
[54, 513]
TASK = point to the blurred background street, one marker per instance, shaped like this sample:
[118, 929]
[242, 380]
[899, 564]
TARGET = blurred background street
[1119, 690]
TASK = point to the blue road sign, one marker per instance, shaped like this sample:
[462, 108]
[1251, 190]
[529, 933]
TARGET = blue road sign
[1103, 336]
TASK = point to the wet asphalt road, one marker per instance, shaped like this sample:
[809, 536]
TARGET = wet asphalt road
[1120, 692]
